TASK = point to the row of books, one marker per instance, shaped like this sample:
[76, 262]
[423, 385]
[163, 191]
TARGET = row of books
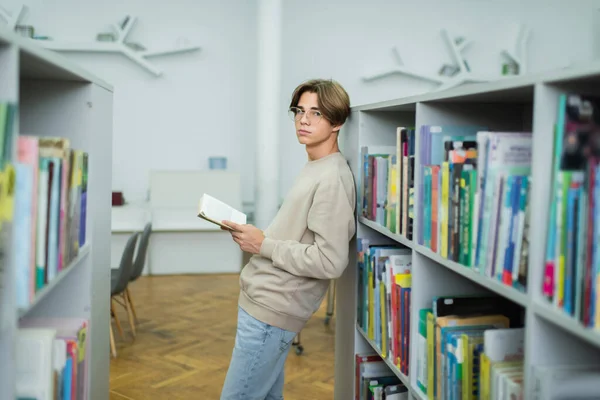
[470, 347]
[474, 192]
[387, 183]
[384, 291]
[375, 381]
[50, 211]
[51, 359]
[572, 262]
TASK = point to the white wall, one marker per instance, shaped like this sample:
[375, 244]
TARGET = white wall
[206, 104]
[202, 106]
[344, 39]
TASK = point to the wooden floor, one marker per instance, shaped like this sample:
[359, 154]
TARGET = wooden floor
[184, 340]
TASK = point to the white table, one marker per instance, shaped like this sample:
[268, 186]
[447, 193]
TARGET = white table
[182, 243]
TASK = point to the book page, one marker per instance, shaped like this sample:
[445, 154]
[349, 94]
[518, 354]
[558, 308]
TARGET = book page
[217, 211]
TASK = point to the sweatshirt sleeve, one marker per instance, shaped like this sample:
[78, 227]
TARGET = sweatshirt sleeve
[331, 219]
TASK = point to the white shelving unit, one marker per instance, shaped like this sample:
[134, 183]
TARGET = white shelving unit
[524, 103]
[57, 98]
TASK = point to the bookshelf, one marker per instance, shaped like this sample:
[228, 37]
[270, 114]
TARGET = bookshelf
[55, 98]
[517, 104]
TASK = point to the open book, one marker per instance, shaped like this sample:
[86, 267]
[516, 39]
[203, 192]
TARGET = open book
[215, 211]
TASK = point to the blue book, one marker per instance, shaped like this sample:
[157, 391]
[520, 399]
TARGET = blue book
[22, 232]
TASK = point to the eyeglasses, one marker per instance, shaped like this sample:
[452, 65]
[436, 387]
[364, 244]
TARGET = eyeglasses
[296, 114]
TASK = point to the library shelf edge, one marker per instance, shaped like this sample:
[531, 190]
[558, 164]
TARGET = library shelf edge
[403, 378]
[385, 231]
[55, 95]
[566, 322]
[54, 284]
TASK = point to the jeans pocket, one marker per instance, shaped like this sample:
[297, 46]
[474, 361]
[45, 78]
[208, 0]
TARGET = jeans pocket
[285, 339]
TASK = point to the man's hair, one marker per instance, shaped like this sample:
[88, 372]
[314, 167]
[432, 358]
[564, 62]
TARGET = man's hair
[333, 100]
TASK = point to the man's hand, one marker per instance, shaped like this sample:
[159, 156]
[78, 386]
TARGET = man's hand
[247, 236]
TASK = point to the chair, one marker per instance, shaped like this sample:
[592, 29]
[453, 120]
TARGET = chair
[118, 283]
[138, 267]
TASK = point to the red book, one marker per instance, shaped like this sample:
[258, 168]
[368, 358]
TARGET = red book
[362, 358]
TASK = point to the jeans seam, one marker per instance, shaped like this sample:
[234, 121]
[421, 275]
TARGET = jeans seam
[254, 361]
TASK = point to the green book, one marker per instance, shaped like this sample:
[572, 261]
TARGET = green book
[468, 187]
[422, 350]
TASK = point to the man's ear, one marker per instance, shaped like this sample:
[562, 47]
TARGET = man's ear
[337, 128]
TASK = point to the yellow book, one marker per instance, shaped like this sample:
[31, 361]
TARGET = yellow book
[597, 321]
[560, 285]
[398, 183]
[486, 384]
[7, 196]
[467, 373]
[497, 321]
[404, 280]
[430, 355]
[484, 378]
[469, 381]
[443, 212]
[392, 195]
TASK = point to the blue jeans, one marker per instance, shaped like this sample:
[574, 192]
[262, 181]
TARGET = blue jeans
[257, 363]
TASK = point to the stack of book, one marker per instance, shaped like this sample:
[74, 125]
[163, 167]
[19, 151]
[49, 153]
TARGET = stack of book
[51, 359]
[375, 381]
[50, 211]
[572, 265]
[474, 195]
[471, 347]
[387, 183]
[384, 288]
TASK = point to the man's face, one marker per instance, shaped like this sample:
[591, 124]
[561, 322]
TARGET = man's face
[311, 127]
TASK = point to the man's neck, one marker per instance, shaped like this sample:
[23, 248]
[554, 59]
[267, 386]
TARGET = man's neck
[322, 150]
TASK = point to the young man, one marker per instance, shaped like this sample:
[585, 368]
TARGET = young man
[294, 259]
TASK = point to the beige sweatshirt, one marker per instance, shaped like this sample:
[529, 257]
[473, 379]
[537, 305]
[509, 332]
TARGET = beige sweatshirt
[305, 246]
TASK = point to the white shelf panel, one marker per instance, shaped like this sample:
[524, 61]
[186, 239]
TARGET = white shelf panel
[46, 290]
[495, 286]
[39, 63]
[509, 88]
[385, 231]
[403, 378]
[566, 322]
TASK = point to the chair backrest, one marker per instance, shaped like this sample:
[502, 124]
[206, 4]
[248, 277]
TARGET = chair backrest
[140, 258]
[126, 266]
